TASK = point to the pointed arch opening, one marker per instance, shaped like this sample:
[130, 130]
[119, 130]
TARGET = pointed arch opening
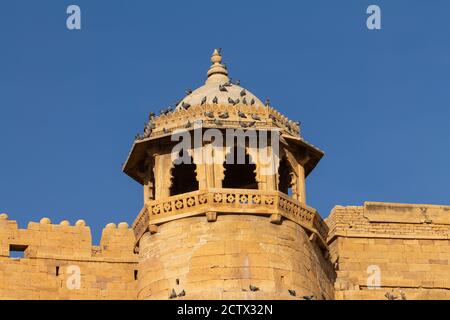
[285, 177]
[184, 178]
[240, 172]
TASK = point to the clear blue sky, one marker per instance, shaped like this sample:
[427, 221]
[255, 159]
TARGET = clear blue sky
[377, 102]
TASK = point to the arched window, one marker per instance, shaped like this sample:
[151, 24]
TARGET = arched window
[239, 174]
[285, 177]
[184, 178]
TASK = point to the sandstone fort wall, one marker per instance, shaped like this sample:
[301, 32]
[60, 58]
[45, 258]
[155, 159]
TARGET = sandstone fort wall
[408, 243]
[106, 271]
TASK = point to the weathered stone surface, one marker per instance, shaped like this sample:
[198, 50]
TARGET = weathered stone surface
[411, 252]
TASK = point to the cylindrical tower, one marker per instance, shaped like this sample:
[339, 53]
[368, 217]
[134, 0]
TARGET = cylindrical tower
[225, 214]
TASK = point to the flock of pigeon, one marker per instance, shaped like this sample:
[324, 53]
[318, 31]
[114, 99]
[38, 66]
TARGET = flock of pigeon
[150, 125]
[215, 100]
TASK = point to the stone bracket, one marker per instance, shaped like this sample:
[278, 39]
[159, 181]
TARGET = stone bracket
[211, 216]
[275, 218]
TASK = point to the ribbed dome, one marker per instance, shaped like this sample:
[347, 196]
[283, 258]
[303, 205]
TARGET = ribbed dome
[218, 86]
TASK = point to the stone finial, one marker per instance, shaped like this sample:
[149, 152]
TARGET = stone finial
[80, 223]
[123, 225]
[64, 223]
[45, 221]
[3, 216]
[217, 72]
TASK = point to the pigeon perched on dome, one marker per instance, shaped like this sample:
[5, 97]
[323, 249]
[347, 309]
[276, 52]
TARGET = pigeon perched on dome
[219, 87]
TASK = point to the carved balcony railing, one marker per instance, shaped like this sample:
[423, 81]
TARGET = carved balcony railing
[229, 201]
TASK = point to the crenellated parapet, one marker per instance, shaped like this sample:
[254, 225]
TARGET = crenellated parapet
[65, 241]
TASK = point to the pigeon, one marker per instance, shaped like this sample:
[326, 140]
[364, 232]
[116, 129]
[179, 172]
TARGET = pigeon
[188, 91]
[243, 93]
[403, 295]
[267, 102]
[391, 296]
[244, 101]
[241, 114]
[288, 126]
[224, 115]
[152, 125]
[217, 122]
[256, 117]
[173, 294]
[237, 82]
[222, 88]
[308, 297]
[209, 114]
[236, 101]
[165, 111]
[253, 288]
[185, 105]
[251, 124]
[151, 115]
[272, 117]
[147, 131]
[292, 292]
[182, 293]
[243, 124]
[252, 102]
[188, 124]
[227, 84]
[215, 100]
[204, 100]
[165, 130]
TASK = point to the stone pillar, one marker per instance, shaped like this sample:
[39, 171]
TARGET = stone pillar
[266, 167]
[149, 181]
[163, 175]
[300, 185]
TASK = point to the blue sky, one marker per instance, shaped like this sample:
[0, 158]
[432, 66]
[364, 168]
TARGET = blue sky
[377, 102]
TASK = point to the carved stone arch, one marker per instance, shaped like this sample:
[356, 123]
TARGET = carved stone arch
[182, 177]
[287, 179]
[254, 155]
[239, 176]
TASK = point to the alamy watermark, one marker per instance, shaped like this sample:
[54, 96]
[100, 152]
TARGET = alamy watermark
[73, 281]
[73, 21]
[374, 20]
[374, 278]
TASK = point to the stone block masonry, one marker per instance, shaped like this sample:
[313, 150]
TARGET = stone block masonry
[410, 244]
[50, 252]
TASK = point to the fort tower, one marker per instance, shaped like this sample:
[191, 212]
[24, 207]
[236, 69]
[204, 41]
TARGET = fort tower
[231, 221]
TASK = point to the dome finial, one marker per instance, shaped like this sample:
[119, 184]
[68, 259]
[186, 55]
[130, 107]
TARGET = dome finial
[217, 72]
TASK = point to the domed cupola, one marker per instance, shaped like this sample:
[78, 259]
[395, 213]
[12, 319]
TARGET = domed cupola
[219, 89]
